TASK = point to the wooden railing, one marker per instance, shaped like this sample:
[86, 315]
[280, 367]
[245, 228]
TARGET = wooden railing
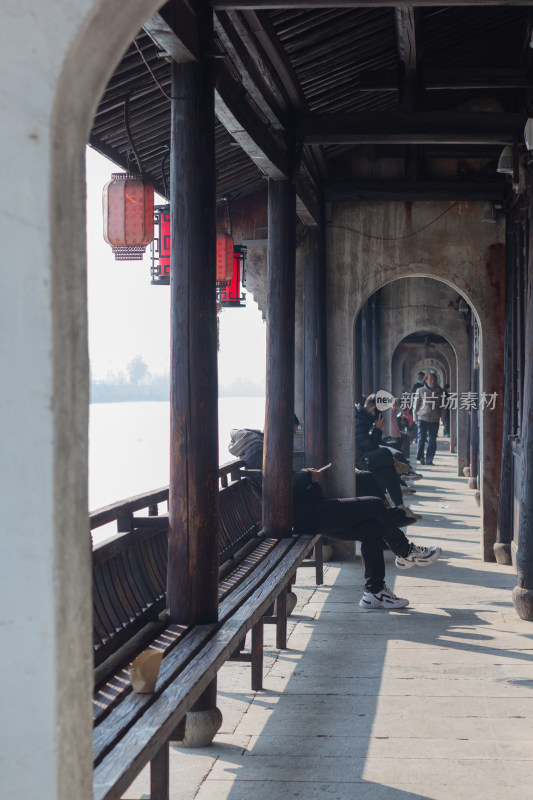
[123, 510]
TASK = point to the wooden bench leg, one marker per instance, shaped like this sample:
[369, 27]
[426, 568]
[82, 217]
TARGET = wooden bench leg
[319, 563]
[257, 656]
[159, 783]
[281, 620]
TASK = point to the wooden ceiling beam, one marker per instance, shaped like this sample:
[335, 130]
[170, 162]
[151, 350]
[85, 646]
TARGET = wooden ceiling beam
[398, 128]
[245, 108]
[446, 79]
[250, 64]
[406, 24]
[163, 27]
[236, 114]
[266, 147]
[368, 191]
[309, 5]
[263, 30]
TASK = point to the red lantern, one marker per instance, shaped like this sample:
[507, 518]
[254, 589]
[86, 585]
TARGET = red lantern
[225, 251]
[128, 203]
[164, 244]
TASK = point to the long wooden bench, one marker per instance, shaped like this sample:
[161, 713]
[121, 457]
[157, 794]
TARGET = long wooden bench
[129, 580]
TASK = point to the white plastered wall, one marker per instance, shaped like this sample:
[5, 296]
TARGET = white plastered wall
[55, 59]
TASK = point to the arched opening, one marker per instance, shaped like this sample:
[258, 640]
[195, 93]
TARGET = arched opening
[96, 41]
[418, 323]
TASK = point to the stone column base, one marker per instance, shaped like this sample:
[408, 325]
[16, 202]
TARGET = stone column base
[199, 728]
[292, 599]
[327, 550]
[477, 497]
[502, 551]
[466, 472]
[472, 483]
[523, 602]
[291, 603]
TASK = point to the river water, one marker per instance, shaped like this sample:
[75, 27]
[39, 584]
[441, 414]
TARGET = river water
[129, 444]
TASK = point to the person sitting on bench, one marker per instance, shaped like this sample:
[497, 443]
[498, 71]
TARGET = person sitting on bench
[371, 455]
[363, 519]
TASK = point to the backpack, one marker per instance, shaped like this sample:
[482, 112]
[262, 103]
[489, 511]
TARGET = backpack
[242, 438]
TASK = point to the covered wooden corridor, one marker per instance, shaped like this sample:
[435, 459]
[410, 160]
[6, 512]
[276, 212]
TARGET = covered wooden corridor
[429, 703]
[354, 149]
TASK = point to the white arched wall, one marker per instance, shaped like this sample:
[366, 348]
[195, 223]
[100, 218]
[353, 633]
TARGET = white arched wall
[70, 49]
[372, 244]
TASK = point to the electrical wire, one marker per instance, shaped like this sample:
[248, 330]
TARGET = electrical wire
[394, 238]
[128, 133]
[150, 70]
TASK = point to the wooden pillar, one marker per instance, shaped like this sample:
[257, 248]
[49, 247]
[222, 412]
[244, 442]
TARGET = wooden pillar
[359, 358]
[523, 592]
[279, 406]
[376, 342]
[316, 446]
[366, 349]
[192, 584]
[474, 418]
[504, 533]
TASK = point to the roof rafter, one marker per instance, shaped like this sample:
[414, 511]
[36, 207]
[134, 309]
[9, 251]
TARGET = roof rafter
[249, 109]
[423, 128]
[447, 79]
[307, 5]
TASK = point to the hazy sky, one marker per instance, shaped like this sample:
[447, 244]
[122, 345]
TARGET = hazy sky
[129, 317]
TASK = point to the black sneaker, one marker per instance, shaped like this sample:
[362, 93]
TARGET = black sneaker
[400, 518]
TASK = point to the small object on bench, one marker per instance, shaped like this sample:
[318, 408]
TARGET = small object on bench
[144, 671]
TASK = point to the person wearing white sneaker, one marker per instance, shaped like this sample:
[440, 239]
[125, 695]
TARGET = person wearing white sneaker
[385, 598]
[363, 519]
[418, 556]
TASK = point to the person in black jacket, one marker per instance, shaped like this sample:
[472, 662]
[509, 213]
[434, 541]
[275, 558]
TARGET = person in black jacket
[363, 519]
[372, 456]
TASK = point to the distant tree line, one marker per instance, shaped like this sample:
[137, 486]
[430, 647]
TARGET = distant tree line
[137, 384]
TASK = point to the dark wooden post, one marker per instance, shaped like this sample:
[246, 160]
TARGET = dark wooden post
[279, 406]
[504, 533]
[474, 422]
[192, 584]
[523, 592]
[359, 358]
[316, 444]
[366, 353]
[376, 344]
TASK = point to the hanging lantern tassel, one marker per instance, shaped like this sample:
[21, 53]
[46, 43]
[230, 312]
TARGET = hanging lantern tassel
[128, 204]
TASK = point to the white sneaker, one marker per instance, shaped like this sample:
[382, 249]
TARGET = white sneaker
[419, 556]
[384, 599]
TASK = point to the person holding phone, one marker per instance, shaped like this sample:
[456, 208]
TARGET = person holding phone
[371, 455]
[363, 519]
